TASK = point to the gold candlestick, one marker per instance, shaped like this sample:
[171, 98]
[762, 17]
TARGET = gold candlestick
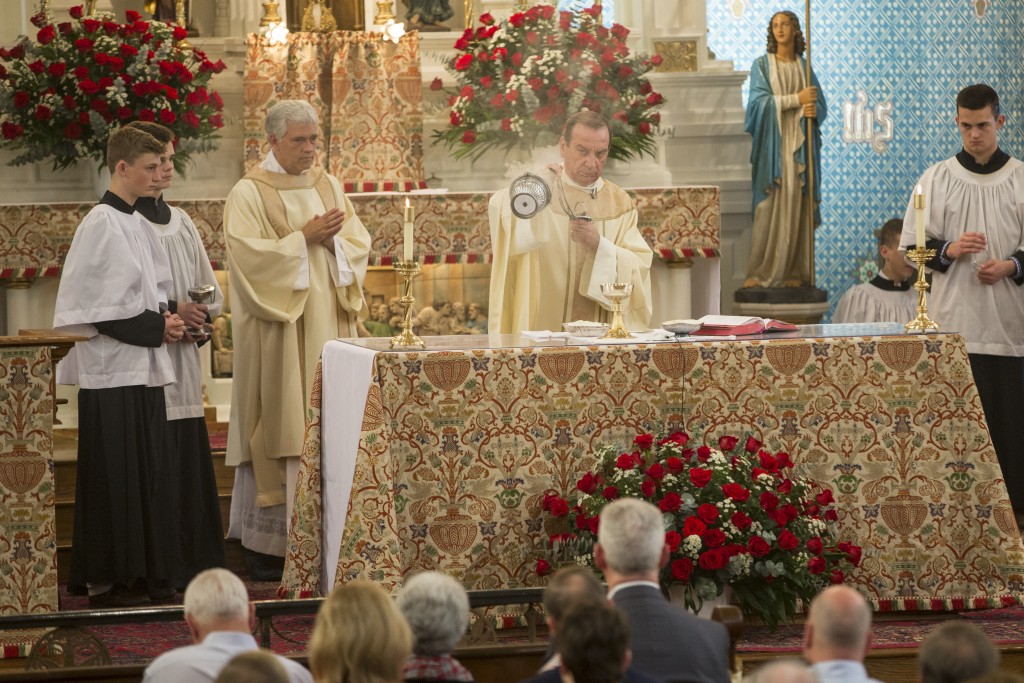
[617, 292]
[922, 323]
[409, 270]
[179, 18]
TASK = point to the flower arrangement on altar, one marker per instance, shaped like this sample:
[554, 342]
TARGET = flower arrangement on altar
[734, 516]
[517, 81]
[63, 92]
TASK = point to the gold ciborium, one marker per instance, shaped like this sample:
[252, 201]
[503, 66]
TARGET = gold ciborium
[617, 292]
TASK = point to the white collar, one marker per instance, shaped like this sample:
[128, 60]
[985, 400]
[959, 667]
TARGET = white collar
[630, 584]
[274, 166]
[593, 188]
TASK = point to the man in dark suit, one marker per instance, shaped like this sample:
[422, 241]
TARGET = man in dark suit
[669, 643]
[593, 646]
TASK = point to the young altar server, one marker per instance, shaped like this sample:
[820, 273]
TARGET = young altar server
[199, 528]
[888, 297]
[114, 290]
[973, 219]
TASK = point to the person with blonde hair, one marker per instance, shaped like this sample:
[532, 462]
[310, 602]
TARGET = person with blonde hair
[256, 666]
[359, 637]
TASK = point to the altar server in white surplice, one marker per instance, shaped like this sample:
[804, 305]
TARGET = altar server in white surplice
[297, 256]
[200, 531]
[114, 291]
[549, 269]
[975, 221]
[888, 297]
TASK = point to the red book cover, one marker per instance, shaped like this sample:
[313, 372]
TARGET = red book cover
[740, 325]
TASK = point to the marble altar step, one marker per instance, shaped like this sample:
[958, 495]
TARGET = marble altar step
[65, 448]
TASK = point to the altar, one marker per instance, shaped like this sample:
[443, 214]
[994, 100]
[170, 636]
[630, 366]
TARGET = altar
[439, 459]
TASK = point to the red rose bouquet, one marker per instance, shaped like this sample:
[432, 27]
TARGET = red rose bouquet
[517, 81]
[734, 516]
[62, 93]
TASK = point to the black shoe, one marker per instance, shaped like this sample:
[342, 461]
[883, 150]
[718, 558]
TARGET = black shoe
[160, 590]
[263, 567]
[118, 596]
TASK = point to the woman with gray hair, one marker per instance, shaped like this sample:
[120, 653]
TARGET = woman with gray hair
[437, 609]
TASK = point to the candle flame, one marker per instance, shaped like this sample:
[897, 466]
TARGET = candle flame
[407, 201]
[917, 191]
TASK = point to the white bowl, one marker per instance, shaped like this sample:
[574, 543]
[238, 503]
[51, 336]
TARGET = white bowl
[586, 329]
[681, 326]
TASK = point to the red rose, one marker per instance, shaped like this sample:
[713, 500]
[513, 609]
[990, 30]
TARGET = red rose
[21, 99]
[517, 60]
[740, 520]
[610, 493]
[736, 492]
[784, 460]
[506, 123]
[180, 33]
[128, 51]
[703, 453]
[816, 565]
[769, 501]
[115, 64]
[714, 538]
[815, 546]
[559, 507]
[455, 118]
[83, 44]
[146, 115]
[853, 552]
[466, 92]
[88, 87]
[647, 488]
[725, 443]
[216, 121]
[785, 487]
[167, 117]
[694, 527]
[674, 464]
[780, 517]
[543, 567]
[486, 19]
[131, 16]
[656, 60]
[707, 512]
[625, 461]
[46, 35]
[191, 120]
[700, 477]
[512, 96]
[682, 568]
[57, 69]
[655, 99]
[462, 62]
[486, 82]
[656, 471]
[831, 516]
[81, 72]
[625, 71]
[98, 104]
[788, 540]
[72, 131]
[216, 101]
[672, 540]
[758, 547]
[91, 25]
[767, 462]
[532, 37]
[10, 130]
[643, 441]
[716, 558]
[83, 118]
[752, 445]
[671, 502]
[76, 12]
[125, 113]
[825, 498]
[517, 19]
[836, 577]
[17, 52]
[587, 483]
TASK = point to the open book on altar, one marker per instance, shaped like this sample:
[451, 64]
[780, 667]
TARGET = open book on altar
[739, 325]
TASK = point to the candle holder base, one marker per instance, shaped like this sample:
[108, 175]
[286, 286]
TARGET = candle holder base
[408, 270]
[922, 323]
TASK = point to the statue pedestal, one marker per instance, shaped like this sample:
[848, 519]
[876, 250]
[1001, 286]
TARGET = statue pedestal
[797, 305]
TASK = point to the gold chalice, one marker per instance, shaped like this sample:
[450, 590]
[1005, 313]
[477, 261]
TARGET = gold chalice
[617, 292]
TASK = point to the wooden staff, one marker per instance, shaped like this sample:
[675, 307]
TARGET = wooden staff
[810, 143]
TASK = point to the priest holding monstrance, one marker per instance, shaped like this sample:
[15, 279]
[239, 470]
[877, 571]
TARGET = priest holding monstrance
[548, 269]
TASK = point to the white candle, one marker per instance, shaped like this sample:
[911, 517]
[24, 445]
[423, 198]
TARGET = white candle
[407, 239]
[919, 216]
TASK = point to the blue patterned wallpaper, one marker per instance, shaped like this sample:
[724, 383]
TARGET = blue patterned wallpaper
[891, 69]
